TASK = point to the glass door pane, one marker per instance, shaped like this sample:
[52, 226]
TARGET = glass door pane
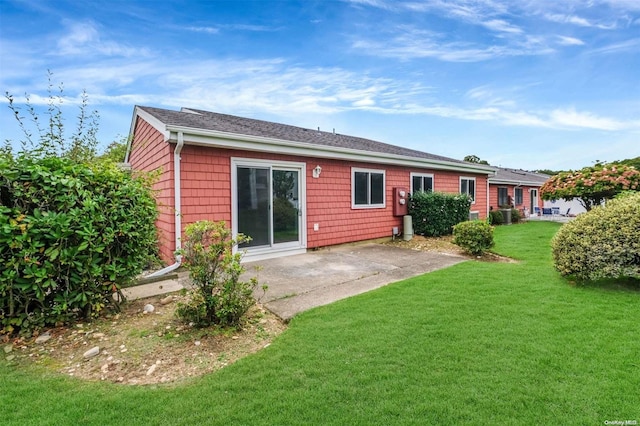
[286, 206]
[254, 218]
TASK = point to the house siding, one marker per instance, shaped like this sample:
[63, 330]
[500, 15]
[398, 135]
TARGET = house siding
[206, 190]
[206, 193]
[149, 152]
[493, 196]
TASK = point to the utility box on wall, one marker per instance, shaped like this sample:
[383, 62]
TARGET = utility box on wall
[400, 201]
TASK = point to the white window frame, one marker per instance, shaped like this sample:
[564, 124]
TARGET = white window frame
[473, 201]
[506, 197]
[355, 170]
[423, 175]
[515, 196]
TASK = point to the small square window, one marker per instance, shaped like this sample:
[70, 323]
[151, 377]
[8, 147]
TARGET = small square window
[421, 182]
[468, 186]
[503, 197]
[368, 188]
[519, 197]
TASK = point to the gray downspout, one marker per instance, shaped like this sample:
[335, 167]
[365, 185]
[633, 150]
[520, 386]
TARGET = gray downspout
[178, 207]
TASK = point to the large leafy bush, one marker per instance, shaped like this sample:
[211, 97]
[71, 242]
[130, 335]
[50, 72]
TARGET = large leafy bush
[70, 236]
[219, 297]
[602, 243]
[435, 213]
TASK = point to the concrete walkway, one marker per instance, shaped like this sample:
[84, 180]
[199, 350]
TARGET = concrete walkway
[301, 282]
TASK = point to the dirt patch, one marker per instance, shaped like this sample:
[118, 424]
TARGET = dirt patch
[141, 348]
[444, 244]
[144, 348]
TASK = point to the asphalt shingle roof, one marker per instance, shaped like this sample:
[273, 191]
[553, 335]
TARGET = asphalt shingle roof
[514, 175]
[206, 120]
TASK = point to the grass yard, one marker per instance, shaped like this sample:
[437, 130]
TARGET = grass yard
[477, 343]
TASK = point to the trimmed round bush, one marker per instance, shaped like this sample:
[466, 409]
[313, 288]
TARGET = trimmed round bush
[602, 243]
[474, 236]
[496, 217]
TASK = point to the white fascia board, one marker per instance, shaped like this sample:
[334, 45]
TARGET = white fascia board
[513, 182]
[279, 146]
[154, 122]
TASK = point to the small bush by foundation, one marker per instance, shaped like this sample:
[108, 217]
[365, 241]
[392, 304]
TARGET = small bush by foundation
[474, 236]
[219, 297]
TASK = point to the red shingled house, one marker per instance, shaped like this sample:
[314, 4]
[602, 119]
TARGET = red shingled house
[517, 188]
[289, 188]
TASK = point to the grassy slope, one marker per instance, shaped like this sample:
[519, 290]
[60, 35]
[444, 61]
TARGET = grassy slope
[476, 343]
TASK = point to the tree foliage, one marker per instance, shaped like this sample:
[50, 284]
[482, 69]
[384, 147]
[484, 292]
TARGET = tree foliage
[73, 227]
[475, 159]
[71, 235]
[592, 185]
[635, 162]
[49, 138]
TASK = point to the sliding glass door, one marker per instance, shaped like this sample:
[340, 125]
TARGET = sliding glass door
[268, 204]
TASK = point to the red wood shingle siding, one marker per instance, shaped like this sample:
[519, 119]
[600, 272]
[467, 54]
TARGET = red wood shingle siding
[206, 190]
[511, 192]
[150, 152]
[206, 193]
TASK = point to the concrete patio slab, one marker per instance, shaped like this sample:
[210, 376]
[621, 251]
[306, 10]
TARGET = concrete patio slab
[301, 282]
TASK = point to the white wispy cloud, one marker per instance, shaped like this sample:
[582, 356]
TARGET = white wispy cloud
[569, 41]
[276, 87]
[572, 118]
[501, 25]
[207, 30]
[627, 45]
[83, 38]
[579, 21]
[412, 43]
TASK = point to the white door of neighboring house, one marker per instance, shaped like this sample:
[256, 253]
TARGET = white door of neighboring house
[533, 195]
[268, 205]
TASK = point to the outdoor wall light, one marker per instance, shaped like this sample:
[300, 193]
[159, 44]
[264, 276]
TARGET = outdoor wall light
[317, 171]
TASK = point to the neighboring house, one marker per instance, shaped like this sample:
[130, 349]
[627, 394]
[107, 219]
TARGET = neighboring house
[289, 188]
[570, 207]
[517, 188]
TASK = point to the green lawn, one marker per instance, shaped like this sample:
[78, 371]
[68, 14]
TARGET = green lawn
[476, 343]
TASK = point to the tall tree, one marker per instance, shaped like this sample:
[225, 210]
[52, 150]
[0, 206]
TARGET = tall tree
[592, 185]
[475, 159]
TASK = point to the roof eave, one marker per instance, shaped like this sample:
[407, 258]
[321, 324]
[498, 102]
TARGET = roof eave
[203, 137]
[149, 118]
[493, 181]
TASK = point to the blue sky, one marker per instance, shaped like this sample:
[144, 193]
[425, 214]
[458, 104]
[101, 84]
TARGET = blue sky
[530, 84]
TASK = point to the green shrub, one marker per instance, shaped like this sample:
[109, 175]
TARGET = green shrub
[70, 236]
[219, 296]
[515, 216]
[474, 236]
[602, 243]
[435, 213]
[496, 217]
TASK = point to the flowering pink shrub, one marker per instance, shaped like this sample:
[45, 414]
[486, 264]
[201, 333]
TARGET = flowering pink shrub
[592, 185]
